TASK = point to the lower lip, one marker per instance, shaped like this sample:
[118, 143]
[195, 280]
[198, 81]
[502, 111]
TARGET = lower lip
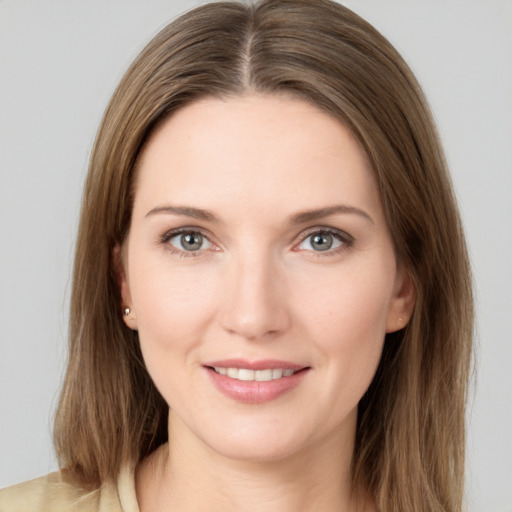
[255, 392]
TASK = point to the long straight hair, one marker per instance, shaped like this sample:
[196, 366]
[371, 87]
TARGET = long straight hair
[410, 438]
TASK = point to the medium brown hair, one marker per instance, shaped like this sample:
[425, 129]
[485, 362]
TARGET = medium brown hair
[410, 437]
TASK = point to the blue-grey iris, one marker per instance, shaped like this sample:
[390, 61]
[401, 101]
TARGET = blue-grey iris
[191, 241]
[322, 242]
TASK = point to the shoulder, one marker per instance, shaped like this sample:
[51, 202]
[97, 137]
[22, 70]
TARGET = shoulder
[50, 492]
[56, 493]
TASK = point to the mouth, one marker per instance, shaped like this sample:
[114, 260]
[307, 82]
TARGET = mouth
[248, 375]
[255, 382]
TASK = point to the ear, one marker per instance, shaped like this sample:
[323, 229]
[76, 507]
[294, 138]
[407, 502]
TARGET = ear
[402, 302]
[126, 306]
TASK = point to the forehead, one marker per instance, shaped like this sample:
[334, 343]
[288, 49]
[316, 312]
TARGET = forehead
[252, 151]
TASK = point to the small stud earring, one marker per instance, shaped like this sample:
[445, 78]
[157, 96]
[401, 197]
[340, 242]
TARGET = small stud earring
[127, 311]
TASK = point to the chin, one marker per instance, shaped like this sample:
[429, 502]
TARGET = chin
[257, 442]
[257, 450]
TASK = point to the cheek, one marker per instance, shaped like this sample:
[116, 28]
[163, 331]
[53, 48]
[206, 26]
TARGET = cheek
[346, 318]
[173, 306]
[354, 299]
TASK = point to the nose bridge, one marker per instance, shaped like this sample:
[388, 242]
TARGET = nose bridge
[256, 306]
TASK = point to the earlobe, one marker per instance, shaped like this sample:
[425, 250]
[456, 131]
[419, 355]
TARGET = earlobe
[130, 318]
[126, 306]
[402, 302]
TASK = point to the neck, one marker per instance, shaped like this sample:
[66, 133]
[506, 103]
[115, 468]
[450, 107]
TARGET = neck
[189, 475]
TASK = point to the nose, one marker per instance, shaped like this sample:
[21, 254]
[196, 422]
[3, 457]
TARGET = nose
[255, 307]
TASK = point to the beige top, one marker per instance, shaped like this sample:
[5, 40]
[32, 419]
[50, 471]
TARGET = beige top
[51, 493]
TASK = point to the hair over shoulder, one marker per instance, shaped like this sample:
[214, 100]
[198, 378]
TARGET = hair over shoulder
[411, 428]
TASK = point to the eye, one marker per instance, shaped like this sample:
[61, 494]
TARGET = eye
[325, 241]
[189, 241]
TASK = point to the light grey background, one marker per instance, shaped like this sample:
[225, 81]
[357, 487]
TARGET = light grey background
[59, 63]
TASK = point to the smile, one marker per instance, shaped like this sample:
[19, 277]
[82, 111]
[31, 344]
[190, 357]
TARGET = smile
[255, 382]
[254, 375]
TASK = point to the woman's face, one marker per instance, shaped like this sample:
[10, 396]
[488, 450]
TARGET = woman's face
[258, 249]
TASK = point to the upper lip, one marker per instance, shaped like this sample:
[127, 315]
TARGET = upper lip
[262, 364]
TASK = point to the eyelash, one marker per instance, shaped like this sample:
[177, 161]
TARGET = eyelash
[165, 239]
[346, 240]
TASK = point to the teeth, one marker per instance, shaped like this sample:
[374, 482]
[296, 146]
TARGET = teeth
[232, 372]
[277, 374]
[244, 374]
[263, 375]
[257, 375]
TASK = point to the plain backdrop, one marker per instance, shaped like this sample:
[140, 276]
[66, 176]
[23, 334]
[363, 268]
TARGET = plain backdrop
[59, 63]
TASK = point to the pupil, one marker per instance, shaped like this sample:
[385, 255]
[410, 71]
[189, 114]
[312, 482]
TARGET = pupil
[191, 241]
[322, 242]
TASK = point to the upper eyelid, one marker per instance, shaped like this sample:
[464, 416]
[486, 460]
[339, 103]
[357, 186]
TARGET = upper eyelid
[324, 229]
[186, 229]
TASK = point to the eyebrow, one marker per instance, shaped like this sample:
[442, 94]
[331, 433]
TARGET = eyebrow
[187, 211]
[312, 215]
[298, 218]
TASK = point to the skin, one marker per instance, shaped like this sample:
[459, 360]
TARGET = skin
[258, 289]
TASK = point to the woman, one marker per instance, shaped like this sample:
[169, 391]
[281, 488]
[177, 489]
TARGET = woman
[271, 303]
